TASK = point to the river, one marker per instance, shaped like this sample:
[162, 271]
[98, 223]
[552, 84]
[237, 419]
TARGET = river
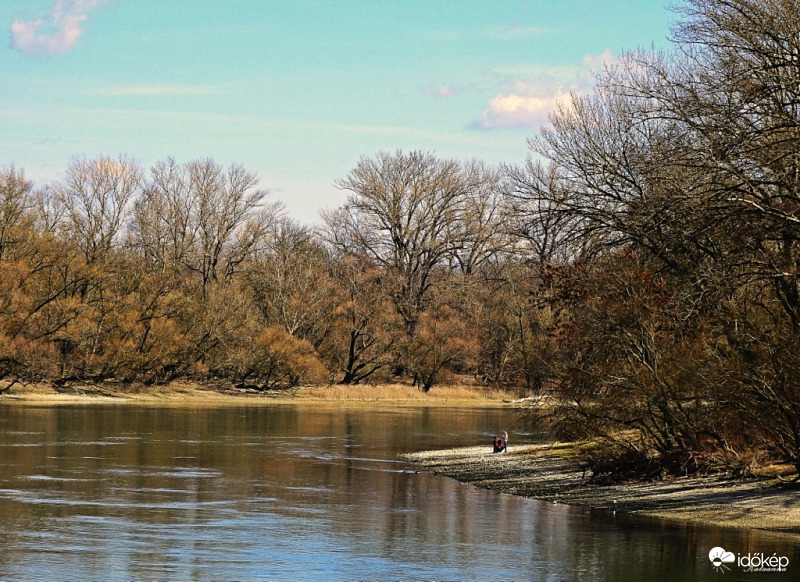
[307, 492]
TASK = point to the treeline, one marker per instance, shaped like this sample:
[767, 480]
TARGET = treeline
[186, 271]
[641, 269]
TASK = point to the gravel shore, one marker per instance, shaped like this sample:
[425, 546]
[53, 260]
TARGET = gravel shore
[541, 472]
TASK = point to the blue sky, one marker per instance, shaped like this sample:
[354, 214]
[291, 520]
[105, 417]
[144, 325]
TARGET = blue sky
[298, 90]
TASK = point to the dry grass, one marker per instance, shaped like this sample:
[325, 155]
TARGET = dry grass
[775, 471]
[404, 393]
[193, 393]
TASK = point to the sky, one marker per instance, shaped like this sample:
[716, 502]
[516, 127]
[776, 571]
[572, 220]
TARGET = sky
[298, 90]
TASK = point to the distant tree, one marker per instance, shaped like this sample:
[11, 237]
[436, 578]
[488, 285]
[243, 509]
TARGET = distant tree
[408, 212]
[480, 233]
[163, 226]
[271, 359]
[232, 342]
[541, 214]
[443, 342]
[516, 317]
[366, 329]
[95, 195]
[224, 204]
[290, 282]
[16, 210]
[201, 217]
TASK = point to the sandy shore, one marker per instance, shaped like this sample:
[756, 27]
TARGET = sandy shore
[541, 472]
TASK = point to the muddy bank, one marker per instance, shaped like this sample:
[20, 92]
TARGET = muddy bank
[542, 472]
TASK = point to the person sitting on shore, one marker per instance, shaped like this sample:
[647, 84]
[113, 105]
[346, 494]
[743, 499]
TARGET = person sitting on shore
[500, 443]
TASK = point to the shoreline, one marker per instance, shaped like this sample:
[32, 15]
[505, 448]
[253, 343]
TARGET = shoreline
[196, 394]
[543, 472]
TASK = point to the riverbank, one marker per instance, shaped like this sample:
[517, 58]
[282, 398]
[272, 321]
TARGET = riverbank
[195, 394]
[548, 473]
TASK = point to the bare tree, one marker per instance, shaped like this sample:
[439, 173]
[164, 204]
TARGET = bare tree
[290, 283]
[406, 212]
[163, 228]
[539, 213]
[95, 194]
[16, 204]
[690, 162]
[223, 203]
[480, 233]
[201, 217]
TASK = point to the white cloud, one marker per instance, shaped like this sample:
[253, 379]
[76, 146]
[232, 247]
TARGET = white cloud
[57, 33]
[526, 103]
[526, 107]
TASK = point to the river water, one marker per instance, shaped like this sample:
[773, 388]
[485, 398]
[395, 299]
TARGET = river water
[307, 492]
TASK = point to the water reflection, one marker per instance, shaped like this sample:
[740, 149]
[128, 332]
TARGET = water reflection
[293, 492]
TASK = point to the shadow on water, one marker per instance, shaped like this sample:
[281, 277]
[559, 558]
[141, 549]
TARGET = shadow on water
[306, 492]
